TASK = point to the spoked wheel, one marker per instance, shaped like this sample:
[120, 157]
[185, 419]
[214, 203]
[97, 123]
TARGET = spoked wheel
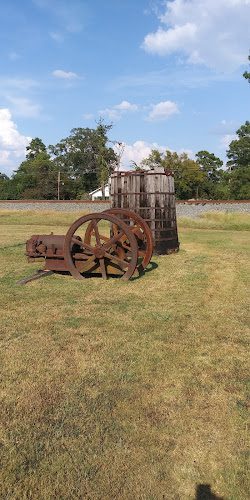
[100, 252]
[139, 228]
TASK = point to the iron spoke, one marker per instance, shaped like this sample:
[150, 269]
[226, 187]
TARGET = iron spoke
[113, 240]
[97, 234]
[82, 244]
[103, 268]
[123, 264]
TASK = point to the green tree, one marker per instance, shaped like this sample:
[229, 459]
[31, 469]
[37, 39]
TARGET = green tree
[240, 183]
[35, 147]
[188, 177]
[4, 186]
[239, 164]
[36, 177]
[210, 165]
[222, 188]
[187, 173]
[247, 73]
[85, 157]
[155, 159]
[239, 150]
[103, 173]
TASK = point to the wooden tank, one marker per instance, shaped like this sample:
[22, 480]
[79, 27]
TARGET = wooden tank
[149, 193]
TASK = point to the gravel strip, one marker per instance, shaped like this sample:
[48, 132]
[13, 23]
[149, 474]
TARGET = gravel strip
[182, 209]
[58, 207]
[185, 210]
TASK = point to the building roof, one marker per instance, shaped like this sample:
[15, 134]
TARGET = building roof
[98, 189]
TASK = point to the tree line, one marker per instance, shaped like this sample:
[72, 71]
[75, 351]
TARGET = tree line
[85, 161]
[204, 177]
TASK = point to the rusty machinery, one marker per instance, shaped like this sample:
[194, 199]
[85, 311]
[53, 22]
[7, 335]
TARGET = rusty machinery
[114, 242]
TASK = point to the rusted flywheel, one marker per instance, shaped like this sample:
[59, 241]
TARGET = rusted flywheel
[139, 228]
[101, 250]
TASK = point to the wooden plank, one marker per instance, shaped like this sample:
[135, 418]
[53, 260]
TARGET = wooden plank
[125, 188]
[151, 195]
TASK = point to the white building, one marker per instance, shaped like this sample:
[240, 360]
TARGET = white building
[97, 193]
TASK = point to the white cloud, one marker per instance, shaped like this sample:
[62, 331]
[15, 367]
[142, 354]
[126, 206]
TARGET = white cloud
[65, 75]
[22, 106]
[163, 110]
[12, 143]
[140, 150]
[215, 33]
[4, 157]
[167, 41]
[137, 151]
[126, 106]
[111, 113]
[116, 111]
[189, 152]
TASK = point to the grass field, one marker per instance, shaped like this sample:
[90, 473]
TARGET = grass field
[114, 390]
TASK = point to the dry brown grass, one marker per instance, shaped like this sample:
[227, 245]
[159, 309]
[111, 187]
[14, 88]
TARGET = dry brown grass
[232, 221]
[114, 390]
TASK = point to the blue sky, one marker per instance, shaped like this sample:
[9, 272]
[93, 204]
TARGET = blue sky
[167, 74]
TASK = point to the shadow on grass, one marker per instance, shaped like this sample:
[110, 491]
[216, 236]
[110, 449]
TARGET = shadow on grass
[204, 492]
[41, 273]
[151, 267]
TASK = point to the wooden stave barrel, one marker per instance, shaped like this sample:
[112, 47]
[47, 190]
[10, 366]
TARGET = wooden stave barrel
[149, 193]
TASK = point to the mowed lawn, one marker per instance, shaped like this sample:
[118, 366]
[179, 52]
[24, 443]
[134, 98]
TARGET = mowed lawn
[137, 390]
